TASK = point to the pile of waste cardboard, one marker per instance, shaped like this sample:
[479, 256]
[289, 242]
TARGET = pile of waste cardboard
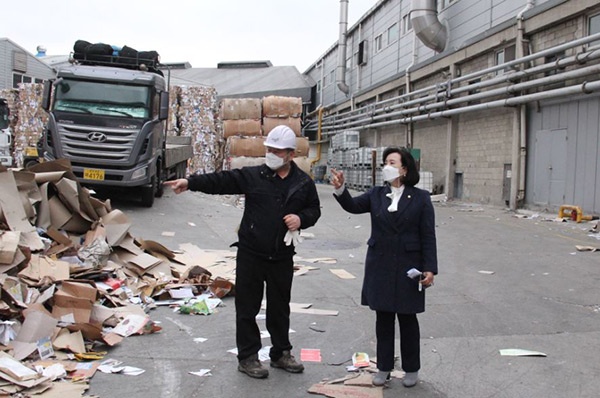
[74, 281]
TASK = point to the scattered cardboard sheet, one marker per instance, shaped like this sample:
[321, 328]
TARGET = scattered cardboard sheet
[38, 325]
[74, 299]
[16, 369]
[342, 273]
[9, 244]
[363, 379]
[337, 391]
[69, 341]
[305, 308]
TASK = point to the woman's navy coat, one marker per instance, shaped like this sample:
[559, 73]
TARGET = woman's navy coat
[399, 241]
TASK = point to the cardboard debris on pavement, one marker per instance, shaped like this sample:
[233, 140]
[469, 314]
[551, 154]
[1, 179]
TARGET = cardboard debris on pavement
[342, 273]
[72, 276]
[343, 391]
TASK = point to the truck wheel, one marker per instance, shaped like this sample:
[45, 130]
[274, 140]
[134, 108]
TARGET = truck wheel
[160, 190]
[148, 193]
[29, 163]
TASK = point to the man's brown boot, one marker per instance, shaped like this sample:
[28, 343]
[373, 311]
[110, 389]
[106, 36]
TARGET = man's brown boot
[253, 368]
[288, 362]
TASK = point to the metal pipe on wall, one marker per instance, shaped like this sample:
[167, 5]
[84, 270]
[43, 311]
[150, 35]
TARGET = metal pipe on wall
[579, 58]
[341, 67]
[508, 90]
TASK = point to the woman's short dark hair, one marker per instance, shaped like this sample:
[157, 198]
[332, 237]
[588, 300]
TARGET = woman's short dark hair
[412, 174]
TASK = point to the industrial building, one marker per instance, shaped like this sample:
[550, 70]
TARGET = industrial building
[500, 97]
[17, 65]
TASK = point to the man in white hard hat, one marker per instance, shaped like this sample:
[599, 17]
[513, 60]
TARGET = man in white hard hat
[280, 200]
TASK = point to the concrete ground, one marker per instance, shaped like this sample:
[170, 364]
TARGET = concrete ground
[537, 293]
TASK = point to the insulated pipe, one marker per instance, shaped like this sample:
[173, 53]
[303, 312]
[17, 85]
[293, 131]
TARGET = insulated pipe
[519, 153]
[341, 68]
[453, 82]
[508, 90]
[579, 58]
[426, 24]
[584, 88]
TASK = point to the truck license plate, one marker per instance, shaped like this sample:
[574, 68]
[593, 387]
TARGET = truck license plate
[93, 174]
[31, 151]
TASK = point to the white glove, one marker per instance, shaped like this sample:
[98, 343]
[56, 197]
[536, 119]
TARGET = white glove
[292, 237]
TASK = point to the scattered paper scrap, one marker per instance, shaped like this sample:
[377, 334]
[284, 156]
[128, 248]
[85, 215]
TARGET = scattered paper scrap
[360, 359]
[486, 272]
[310, 355]
[342, 273]
[168, 233]
[263, 354]
[586, 248]
[517, 352]
[201, 373]
[200, 340]
[115, 366]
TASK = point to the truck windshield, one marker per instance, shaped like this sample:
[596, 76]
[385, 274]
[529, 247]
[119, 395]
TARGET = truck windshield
[3, 116]
[107, 99]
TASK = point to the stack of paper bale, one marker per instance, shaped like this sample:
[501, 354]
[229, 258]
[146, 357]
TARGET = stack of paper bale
[241, 116]
[242, 128]
[173, 121]
[198, 117]
[28, 117]
[285, 111]
[241, 121]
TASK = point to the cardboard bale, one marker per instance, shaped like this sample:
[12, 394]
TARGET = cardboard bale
[302, 147]
[246, 146]
[276, 106]
[244, 161]
[303, 163]
[269, 123]
[240, 108]
[247, 127]
[198, 118]
[30, 119]
[173, 122]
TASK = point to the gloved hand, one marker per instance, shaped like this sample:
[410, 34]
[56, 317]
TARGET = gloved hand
[292, 237]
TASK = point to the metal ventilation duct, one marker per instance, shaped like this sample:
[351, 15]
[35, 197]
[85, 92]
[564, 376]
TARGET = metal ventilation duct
[426, 24]
[341, 67]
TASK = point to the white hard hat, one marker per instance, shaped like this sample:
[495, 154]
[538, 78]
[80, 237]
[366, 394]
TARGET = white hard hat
[281, 137]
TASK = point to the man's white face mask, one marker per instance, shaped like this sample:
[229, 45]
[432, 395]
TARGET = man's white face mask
[273, 161]
[390, 173]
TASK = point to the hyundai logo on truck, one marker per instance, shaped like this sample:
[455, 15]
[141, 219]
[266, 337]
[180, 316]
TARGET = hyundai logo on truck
[96, 136]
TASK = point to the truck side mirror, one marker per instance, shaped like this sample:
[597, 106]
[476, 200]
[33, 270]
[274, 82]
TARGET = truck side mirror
[163, 111]
[46, 95]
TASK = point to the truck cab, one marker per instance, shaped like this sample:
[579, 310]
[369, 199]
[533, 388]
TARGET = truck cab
[109, 121]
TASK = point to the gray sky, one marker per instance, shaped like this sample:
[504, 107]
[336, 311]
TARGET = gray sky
[203, 32]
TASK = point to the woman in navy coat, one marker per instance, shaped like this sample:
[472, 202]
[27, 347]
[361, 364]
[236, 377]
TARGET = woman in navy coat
[402, 238]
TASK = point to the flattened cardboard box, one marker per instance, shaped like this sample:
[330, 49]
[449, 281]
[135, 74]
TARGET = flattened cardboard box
[76, 299]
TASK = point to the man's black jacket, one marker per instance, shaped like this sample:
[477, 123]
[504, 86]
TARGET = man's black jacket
[262, 228]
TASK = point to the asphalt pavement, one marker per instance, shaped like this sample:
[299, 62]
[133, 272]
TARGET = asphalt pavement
[506, 281]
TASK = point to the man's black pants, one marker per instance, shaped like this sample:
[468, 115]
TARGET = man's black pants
[252, 273]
